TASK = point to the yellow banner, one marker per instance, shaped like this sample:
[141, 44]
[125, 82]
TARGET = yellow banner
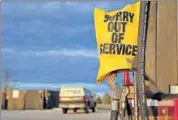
[116, 35]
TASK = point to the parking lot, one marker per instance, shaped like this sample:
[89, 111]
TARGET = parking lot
[55, 114]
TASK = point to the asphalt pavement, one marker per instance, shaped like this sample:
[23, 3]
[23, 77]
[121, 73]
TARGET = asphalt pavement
[55, 114]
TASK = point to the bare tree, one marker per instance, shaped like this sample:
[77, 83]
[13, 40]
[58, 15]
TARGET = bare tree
[6, 84]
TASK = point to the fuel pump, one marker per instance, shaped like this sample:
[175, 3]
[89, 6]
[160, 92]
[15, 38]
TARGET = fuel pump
[119, 105]
[115, 95]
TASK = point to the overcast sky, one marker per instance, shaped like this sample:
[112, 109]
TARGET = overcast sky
[49, 44]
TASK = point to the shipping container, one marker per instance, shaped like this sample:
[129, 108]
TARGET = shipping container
[52, 99]
[34, 99]
[15, 99]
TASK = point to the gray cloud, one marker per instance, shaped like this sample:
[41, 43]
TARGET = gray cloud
[54, 53]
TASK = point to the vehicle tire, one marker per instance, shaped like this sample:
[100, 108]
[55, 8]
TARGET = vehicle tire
[93, 109]
[75, 110]
[64, 110]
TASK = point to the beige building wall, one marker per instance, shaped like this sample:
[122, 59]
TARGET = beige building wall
[162, 44]
[166, 44]
[151, 43]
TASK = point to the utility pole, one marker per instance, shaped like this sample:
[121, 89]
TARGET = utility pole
[140, 88]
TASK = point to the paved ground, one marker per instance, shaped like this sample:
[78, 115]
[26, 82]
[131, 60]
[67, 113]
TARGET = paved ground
[54, 115]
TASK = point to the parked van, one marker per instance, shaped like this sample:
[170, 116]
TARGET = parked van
[76, 98]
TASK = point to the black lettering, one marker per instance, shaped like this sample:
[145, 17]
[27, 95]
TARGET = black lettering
[124, 27]
[128, 50]
[134, 50]
[106, 18]
[117, 38]
[114, 38]
[110, 26]
[111, 18]
[121, 37]
[101, 49]
[131, 17]
[125, 16]
[106, 47]
[119, 48]
[118, 16]
[123, 50]
[112, 49]
[117, 26]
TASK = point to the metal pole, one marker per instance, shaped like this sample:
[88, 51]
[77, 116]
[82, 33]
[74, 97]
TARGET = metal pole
[135, 100]
[141, 59]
